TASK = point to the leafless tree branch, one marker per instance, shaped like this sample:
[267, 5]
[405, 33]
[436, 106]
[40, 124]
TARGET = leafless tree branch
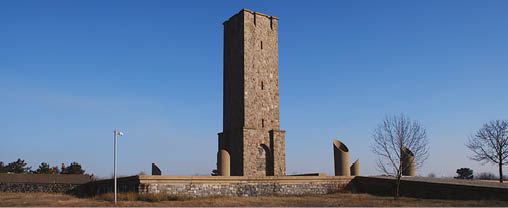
[391, 135]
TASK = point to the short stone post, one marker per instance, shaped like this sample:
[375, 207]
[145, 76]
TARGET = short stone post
[341, 158]
[355, 168]
[223, 163]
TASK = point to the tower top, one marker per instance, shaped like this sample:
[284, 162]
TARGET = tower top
[252, 12]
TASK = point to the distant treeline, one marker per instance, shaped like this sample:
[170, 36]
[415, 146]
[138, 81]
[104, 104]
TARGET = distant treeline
[467, 173]
[20, 166]
[488, 176]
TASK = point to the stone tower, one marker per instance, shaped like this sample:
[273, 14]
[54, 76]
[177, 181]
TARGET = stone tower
[251, 121]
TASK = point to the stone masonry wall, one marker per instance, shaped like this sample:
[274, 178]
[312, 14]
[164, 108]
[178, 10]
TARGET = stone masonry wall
[254, 139]
[231, 138]
[233, 75]
[277, 142]
[56, 183]
[261, 68]
[261, 97]
[31, 187]
[231, 141]
[242, 189]
[433, 188]
[202, 186]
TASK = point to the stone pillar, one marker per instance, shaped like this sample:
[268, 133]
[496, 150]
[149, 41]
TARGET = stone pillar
[355, 168]
[341, 158]
[223, 163]
[278, 152]
[408, 162]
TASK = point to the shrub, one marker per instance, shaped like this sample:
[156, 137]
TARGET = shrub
[43, 169]
[74, 168]
[3, 168]
[464, 173]
[18, 166]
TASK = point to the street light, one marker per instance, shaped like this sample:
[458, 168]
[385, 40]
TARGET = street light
[117, 133]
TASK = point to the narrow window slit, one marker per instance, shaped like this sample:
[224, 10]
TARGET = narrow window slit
[271, 22]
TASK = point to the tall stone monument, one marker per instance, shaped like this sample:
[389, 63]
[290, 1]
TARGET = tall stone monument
[251, 121]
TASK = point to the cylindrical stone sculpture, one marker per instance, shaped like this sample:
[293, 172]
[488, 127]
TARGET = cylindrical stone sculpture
[355, 168]
[341, 158]
[408, 162]
[223, 162]
[156, 170]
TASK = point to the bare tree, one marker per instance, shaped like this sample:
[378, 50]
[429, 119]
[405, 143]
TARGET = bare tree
[490, 144]
[394, 133]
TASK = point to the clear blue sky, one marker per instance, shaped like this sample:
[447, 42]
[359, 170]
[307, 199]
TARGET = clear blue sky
[73, 71]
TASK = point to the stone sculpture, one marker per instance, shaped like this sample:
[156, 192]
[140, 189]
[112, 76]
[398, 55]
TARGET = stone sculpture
[408, 162]
[355, 168]
[224, 163]
[341, 159]
[156, 170]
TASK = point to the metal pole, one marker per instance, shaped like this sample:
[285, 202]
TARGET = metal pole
[115, 167]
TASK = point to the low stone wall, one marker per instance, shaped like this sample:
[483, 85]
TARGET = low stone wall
[434, 188]
[200, 190]
[31, 187]
[55, 183]
[201, 186]
[125, 184]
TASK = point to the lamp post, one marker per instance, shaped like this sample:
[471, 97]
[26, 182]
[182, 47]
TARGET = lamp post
[117, 133]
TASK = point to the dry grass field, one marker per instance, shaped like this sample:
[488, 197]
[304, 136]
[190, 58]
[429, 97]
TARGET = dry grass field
[338, 199]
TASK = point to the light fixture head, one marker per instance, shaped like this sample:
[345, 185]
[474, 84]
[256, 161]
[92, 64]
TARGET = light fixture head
[120, 133]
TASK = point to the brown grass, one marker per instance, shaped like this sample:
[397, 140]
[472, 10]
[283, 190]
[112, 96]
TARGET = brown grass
[132, 199]
[140, 197]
